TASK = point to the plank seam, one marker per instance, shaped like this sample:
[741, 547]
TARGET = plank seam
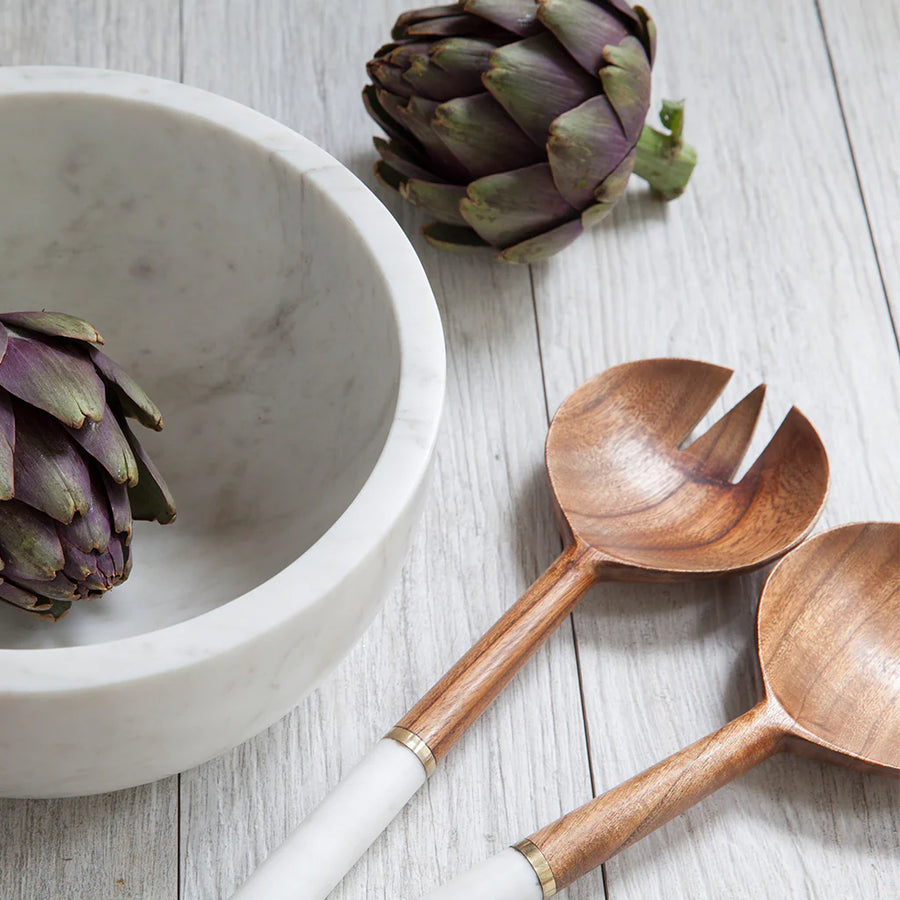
[584, 717]
[856, 173]
[181, 41]
[178, 888]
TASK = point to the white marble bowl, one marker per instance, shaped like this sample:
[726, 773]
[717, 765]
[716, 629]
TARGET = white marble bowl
[281, 320]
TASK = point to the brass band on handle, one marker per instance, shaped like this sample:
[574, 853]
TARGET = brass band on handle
[412, 741]
[540, 865]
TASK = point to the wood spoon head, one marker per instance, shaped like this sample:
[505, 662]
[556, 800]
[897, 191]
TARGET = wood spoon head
[654, 510]
[829, 644]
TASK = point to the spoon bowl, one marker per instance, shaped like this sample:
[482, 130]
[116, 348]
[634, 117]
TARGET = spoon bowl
[654, 509]
[829, 645]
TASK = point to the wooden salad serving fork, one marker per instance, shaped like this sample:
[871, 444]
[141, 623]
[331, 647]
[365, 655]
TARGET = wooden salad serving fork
[828, 635]
[634, 505]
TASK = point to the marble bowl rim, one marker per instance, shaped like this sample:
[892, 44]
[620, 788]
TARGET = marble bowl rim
[394, 480]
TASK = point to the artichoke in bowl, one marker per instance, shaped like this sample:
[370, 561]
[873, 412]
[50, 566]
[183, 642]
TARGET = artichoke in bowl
[517, 123]
[72, 473]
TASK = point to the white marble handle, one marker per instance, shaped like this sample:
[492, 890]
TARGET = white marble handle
[310, 863]
[506, 876]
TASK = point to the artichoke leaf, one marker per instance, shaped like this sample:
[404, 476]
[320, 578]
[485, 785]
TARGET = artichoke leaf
[79, 565]
[50, 473]
[509, 207]
[29, 546]
[117, 551]
[4, 340]
[463, 54]
[383, 119]
[648, 38]
[389, 77]
[415, 16]
[401, 160]
[55, 610]
[459, 25]
[93, 530]
[132, 397]
[441, 200]
[7, 446]
[416, 115]
[609, 193]
[478, 132]
[53, 324]
[453, 238]
[105, 442]
[535, 81]
[17, 596]
[584, 28]
[585, 146]
[59, 588]
[517, 16]
[626, 83]
[106, 568]
[402, 54]
[544, 245]
[450, 68]
[612, 187]
[389, 176]
[625, 8]
[117, 495]
[150, 498]
[54, 378]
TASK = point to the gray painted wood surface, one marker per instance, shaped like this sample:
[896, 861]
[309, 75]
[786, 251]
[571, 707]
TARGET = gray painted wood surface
[780, 261]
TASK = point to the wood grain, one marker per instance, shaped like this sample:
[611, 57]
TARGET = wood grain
[829, 645]
[829, 648]
[764, 265]
[109, 34]
[449, 709]
[122, 845]
[863, 53]
[655, 509]
[583, 839]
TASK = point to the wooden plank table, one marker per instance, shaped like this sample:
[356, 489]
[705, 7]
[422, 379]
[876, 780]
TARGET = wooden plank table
[782, 261]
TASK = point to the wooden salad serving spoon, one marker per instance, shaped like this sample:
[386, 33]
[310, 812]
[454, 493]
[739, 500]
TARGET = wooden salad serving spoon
[828, 635]
[634, 505]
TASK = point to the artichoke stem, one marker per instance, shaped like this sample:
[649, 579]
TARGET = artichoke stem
[664, 160]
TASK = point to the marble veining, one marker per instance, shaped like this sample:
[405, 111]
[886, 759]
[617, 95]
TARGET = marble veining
[282, 322]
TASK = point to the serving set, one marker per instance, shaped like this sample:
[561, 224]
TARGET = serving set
[152, 206]
[640, 498]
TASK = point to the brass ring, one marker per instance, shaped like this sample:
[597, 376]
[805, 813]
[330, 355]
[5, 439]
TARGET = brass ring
[540, 865]
[412, 741]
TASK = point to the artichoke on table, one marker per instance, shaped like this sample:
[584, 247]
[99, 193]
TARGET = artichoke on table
[517, 123]
[72, 473]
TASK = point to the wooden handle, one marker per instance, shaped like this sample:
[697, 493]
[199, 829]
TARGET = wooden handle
[442, 716]
[587, 837]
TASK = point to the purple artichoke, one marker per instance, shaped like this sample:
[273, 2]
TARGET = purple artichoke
[72, 473]
[517, 123]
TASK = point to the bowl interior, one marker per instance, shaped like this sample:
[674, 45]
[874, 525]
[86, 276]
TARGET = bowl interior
[241, 297]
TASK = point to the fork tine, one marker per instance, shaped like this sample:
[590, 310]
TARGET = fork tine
[794, 456]
[719, 451]
[678, 394]
[666, 397]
